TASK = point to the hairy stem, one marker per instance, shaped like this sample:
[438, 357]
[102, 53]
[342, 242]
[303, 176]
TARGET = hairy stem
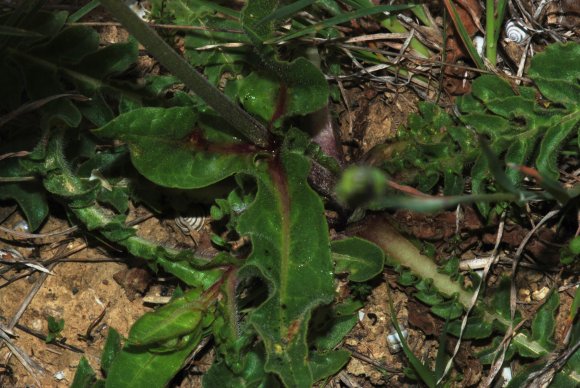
[398, 248]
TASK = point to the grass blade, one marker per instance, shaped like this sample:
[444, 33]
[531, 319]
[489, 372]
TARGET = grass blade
[424, 373]
[286, 11]
[75, 17]
[341, 19]
[463, 34]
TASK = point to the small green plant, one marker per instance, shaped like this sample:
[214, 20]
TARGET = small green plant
[290, 336]
[55, 326]
[522, 126]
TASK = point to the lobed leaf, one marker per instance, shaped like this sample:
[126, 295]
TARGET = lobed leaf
[251, 374]
[522, 129]
[167, 149]
[291, 253]
[555, 72]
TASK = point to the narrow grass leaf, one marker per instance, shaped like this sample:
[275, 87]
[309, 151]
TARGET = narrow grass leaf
[286, 11]
[340, 19]
[464, 35]
[422, 371]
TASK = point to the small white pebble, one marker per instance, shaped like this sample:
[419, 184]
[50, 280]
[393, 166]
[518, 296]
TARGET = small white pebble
[394, 342]
[59, 375]
[506, 373]
[478, 42]
[21, 226]
[361, 315]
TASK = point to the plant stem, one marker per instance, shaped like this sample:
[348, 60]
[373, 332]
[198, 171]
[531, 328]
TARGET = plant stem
[166, 55]
[381, 232]
[393, 24]
[490, 36]
[499, 16]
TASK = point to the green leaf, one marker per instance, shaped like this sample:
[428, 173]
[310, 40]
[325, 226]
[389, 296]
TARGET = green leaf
[429, 297]
[42, 81]
[117, 197]
[286, 11]
[523, 129]
[343, 18]
[30, 196]
[291, 253]
[258, 93]
[111, 349]
[19, 32]
[489, 355]
[217, 61]
[496, 169]
[448, 310]
[426, 375]
[68, 58]
[328, 363]
[555, 72]
[305, 88]
[44, 23]
[54, 328]
[575, 307]
[329, 325]
[138, 367]
[167, 149]
[251, 374]
[476, 328]
[543, 326]
[554, 138]
[85, 376]
[361, 259]
[106, 62]
[179, 317]
[188, 11]
[79, 193]
[69, 46]
[182, 264]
